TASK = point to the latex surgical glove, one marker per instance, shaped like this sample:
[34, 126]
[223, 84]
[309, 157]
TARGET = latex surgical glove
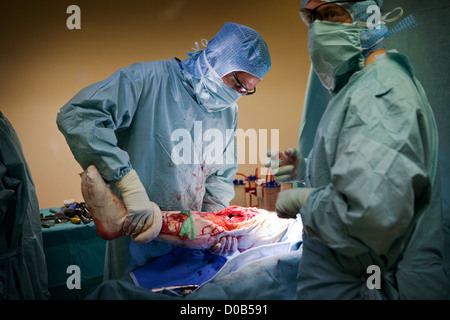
[290, 202]
[287, 166]
[226, 246]
[135, 198]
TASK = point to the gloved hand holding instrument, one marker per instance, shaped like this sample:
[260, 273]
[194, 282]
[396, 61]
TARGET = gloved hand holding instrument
[287, 166]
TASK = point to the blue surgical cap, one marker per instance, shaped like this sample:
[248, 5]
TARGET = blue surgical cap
[234, 48]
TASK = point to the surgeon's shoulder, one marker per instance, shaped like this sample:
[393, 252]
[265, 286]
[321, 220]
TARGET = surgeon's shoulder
[391, 74]
[156, 67]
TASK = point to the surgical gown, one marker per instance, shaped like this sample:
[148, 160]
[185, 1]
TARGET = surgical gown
[146, 117]
[374, 164]
[23, 270]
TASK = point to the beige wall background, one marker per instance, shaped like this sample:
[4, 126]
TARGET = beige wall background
[43, 64]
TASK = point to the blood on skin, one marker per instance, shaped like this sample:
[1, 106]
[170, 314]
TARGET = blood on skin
[109, 213]
[231, 218]
[104, 232]
[172, 223]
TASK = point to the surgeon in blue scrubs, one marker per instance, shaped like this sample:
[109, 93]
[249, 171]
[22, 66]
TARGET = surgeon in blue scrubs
[132, 124]
[371, 208]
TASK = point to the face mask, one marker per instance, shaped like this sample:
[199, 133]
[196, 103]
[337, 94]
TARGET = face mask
[211, 92]
[335, 51]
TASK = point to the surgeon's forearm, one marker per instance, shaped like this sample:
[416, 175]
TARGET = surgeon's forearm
[92, 143]
[89, 122]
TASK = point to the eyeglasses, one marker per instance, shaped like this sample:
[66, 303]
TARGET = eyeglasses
[243, 90]
[325, 11]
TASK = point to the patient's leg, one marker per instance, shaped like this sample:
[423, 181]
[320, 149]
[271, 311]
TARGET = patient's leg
[196, 230]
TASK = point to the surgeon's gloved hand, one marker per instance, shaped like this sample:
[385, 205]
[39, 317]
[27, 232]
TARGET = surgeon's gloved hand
[136, 201]
[225, 247]
[290, 202]
[287, 166]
